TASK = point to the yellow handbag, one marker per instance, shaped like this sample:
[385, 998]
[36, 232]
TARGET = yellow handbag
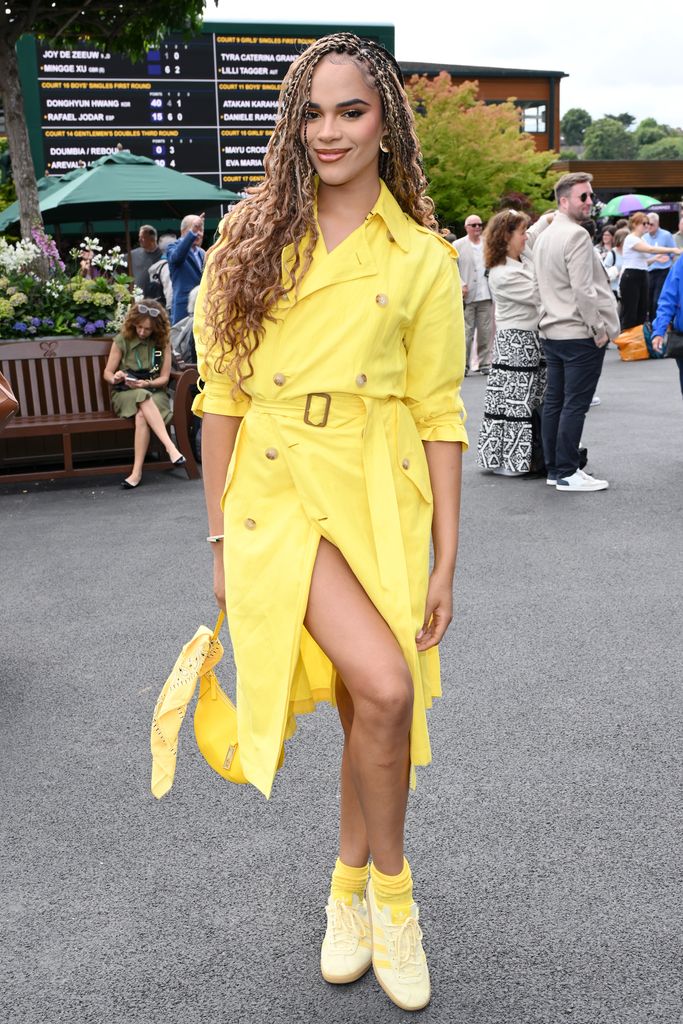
[215, 725]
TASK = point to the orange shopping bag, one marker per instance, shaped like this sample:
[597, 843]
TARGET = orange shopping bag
[631, 344]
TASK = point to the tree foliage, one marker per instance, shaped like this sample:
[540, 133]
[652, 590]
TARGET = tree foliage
[614, 137]
[574, 124]
[626, 119]
[8, 193]
[475, 153]
[607, 139]
[125, 28]
[667, 148]
[649, 131]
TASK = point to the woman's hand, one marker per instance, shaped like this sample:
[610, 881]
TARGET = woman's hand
[219, 575]
[119, 377]
[438, 610]
[658, 343]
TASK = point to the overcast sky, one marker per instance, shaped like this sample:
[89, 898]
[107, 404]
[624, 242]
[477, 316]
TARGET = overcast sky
[611, 75]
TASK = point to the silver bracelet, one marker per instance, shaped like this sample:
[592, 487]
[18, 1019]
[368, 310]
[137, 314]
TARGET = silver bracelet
[215, 538]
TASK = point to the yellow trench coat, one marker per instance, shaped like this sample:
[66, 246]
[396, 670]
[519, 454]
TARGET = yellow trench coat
[373, 348]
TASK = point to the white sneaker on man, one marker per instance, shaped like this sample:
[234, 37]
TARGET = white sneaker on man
[346, 952]
[581, 481]
[595, 401]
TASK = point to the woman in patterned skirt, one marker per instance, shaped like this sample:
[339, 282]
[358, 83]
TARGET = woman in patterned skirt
[516, 383]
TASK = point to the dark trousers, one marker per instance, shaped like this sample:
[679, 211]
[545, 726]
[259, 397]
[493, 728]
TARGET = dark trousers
[574, 368]
[680, 366]
[634, 298]
[655, 283]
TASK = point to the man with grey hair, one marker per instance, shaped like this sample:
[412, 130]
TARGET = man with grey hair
[142, 258]
[186, 263]
[578, 318]
[475, 293]
[658, 266]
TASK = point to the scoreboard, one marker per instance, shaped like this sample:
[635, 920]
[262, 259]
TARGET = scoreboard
[205, 106]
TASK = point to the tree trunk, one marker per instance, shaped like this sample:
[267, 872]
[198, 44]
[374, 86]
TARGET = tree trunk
[23, 170]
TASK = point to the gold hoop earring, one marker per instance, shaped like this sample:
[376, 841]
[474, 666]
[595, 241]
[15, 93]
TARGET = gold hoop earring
[383, 146]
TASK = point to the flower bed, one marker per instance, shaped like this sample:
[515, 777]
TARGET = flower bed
[39, 296]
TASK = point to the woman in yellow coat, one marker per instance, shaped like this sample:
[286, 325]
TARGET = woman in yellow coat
[330, 340]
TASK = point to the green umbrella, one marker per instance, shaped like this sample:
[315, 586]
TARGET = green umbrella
[623, 206]
[10, 215]
[123, 184]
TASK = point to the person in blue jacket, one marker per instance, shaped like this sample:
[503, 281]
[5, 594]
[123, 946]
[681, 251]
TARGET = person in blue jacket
[670, 311]
[186, 263]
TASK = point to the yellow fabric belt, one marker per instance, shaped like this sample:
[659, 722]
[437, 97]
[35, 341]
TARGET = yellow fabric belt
[319, 409]
[322, 411]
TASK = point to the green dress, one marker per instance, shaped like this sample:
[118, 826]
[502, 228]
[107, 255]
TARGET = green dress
[137, 355]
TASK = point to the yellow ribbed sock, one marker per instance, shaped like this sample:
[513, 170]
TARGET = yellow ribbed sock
[348, 882]
[394, 891]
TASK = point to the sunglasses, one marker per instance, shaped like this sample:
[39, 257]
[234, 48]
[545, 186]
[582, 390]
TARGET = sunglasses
[479, 225]
[148, 310]
[586, 195]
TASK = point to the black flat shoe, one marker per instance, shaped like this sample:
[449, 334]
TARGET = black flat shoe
[130, 487]
[181, 461]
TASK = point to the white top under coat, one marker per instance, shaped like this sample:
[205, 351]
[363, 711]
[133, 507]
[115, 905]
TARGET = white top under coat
[514, 289]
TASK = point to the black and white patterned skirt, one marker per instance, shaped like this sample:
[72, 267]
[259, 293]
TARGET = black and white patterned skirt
[514, 389]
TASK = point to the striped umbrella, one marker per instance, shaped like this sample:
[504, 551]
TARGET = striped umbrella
[622, 206]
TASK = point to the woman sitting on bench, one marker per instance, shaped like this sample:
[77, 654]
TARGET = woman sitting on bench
[139, 368]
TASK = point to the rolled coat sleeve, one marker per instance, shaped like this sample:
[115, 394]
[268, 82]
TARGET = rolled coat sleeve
[435, 345]
[217, 391]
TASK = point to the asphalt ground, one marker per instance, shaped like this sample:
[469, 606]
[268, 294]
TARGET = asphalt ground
[545, 839]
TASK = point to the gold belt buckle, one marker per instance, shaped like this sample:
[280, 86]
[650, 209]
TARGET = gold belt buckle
[328, 403]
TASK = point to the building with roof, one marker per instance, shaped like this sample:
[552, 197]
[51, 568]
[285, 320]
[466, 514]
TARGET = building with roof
[537, 93]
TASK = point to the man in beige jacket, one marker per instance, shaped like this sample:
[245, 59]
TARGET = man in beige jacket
[578, 318]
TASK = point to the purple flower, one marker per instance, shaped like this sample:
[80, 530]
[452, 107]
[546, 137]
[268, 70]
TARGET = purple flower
[35, 320]
[81, 321]
[19, 326]
[99, 324]
[89, 328]
[47, 322]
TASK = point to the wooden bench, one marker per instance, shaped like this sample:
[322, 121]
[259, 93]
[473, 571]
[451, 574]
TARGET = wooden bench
[61, 392]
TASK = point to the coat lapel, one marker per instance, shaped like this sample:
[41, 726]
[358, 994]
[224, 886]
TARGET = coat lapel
[350, 260]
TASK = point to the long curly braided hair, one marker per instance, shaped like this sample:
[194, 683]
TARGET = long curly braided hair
[245, 282]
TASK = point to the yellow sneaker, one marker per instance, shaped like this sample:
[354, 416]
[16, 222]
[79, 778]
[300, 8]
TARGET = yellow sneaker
[398, 959]
[346, 952]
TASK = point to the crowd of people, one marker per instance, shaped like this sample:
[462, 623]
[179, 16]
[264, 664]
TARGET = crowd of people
[556, 301]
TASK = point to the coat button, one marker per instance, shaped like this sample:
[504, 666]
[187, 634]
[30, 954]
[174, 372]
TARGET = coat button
[279, 379]
[382, 299]
[406, 463]
[271, 453]
[361, 380]
[250, 524]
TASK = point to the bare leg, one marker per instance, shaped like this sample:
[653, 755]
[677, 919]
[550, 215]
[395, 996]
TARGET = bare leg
[354, 848]
[348, 627]
[140, 446]
[155, 422]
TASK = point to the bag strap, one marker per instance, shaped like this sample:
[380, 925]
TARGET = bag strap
[219, 623]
